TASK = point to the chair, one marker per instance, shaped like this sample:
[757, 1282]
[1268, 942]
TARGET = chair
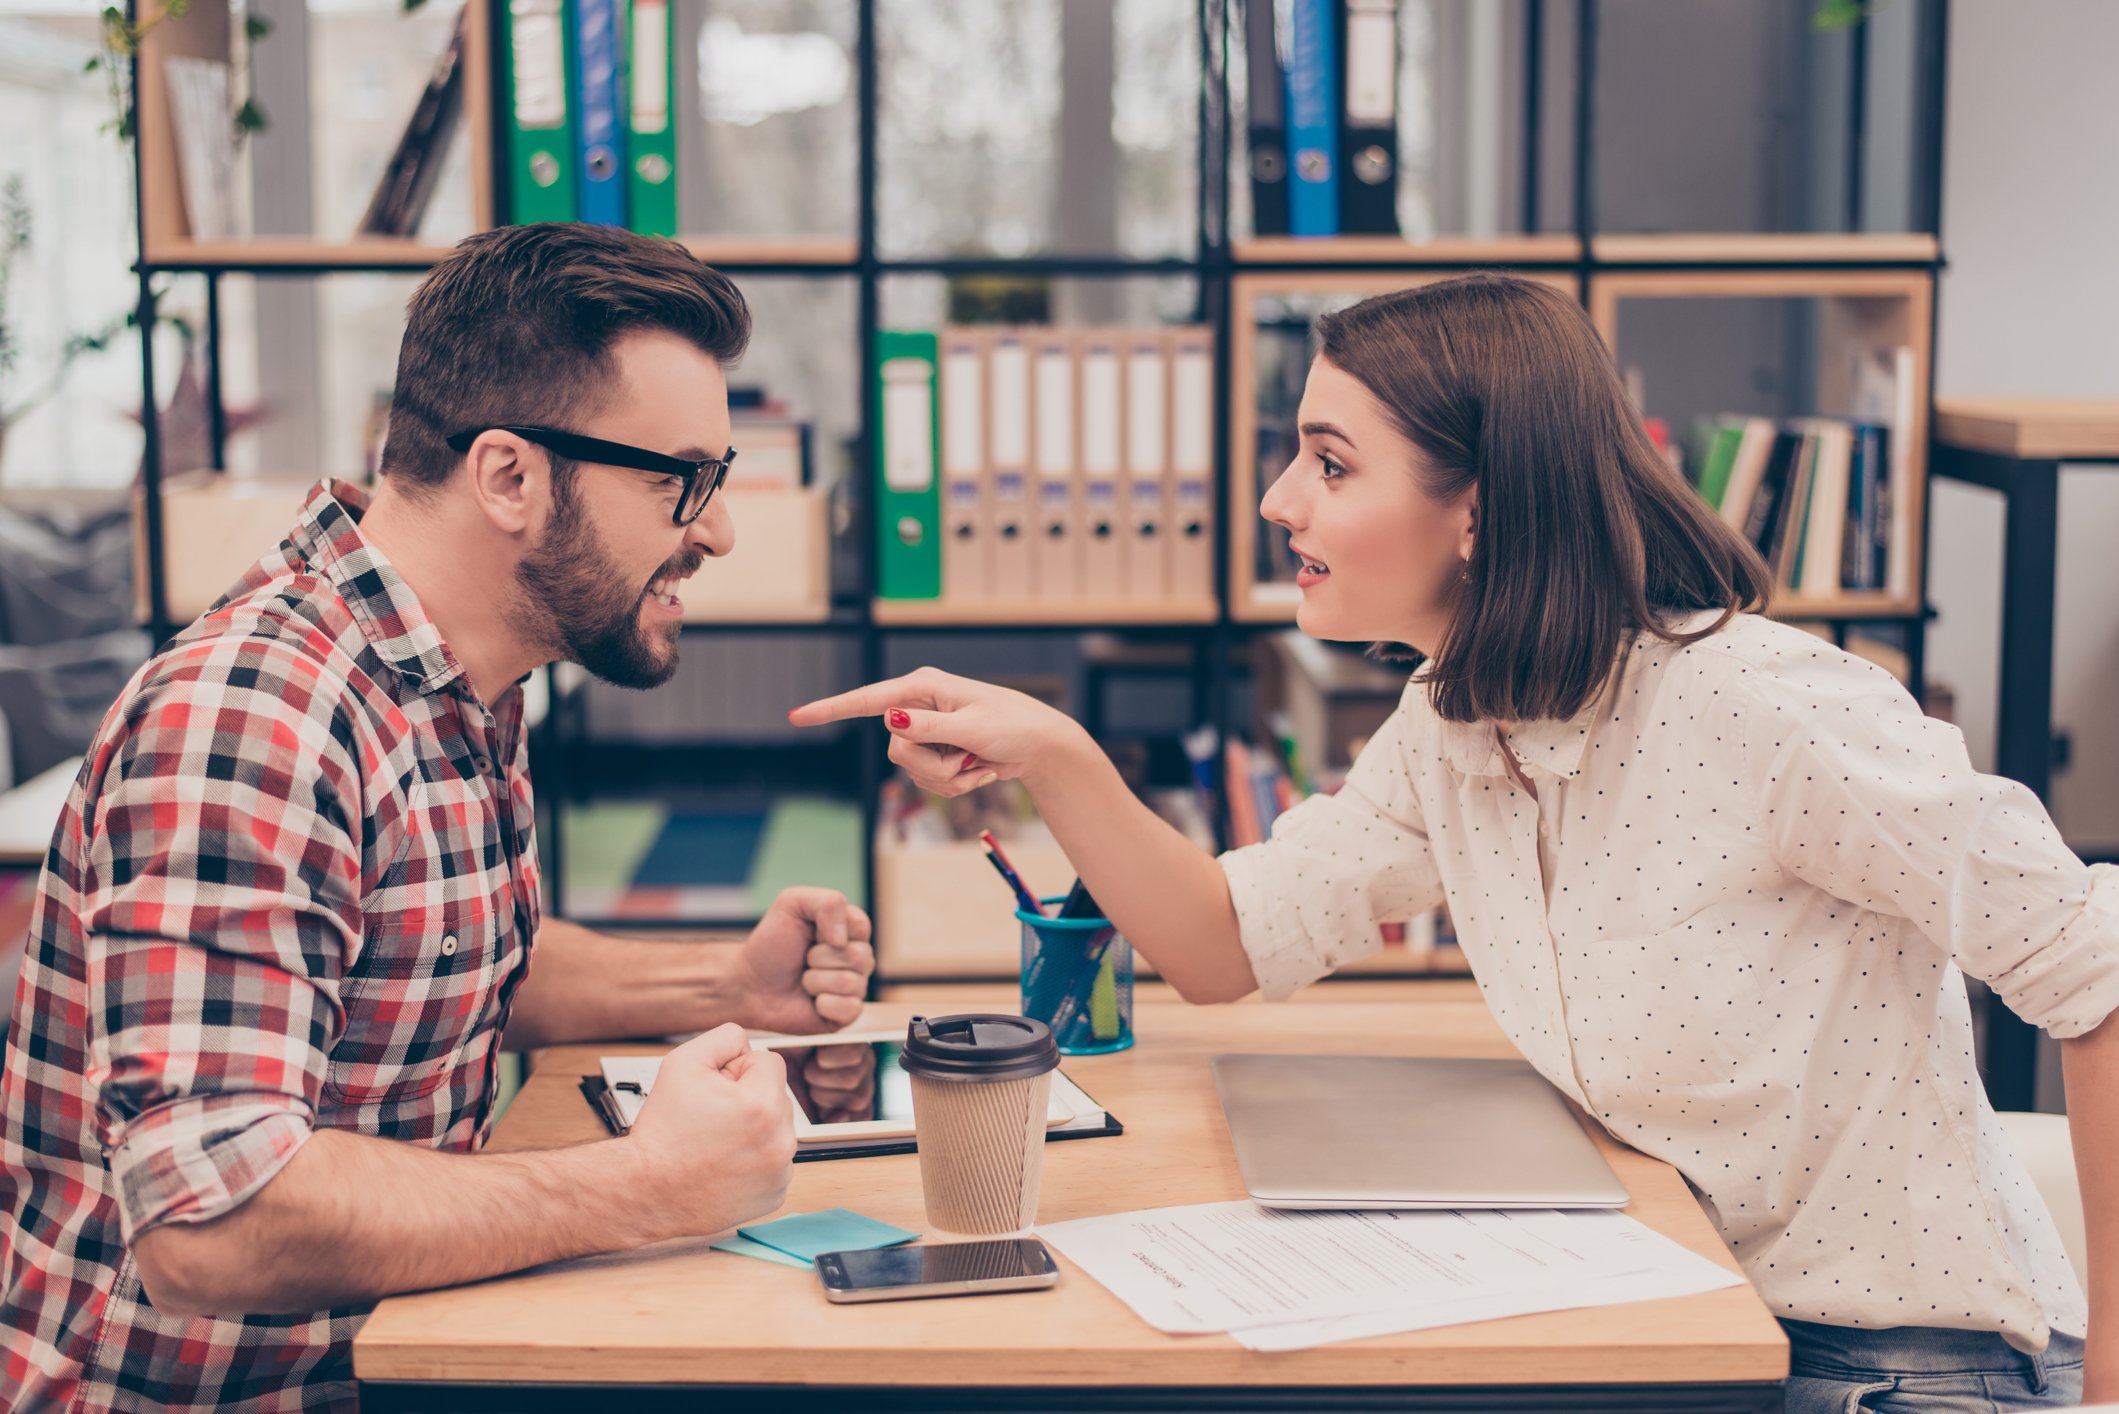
[52, 695]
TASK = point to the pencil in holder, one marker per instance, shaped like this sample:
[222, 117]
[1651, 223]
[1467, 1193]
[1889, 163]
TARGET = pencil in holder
[1078, 980]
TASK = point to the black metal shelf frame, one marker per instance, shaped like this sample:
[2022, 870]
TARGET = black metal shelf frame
[1213, 264]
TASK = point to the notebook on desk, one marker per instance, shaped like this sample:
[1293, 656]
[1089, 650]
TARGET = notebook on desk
[1407, 1132]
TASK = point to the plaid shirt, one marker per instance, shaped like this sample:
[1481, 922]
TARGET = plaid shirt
[294, 886]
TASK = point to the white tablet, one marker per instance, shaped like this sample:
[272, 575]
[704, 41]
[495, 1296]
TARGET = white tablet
[879, 1105]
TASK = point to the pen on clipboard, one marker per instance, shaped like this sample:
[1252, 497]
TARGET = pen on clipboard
[1024, 899]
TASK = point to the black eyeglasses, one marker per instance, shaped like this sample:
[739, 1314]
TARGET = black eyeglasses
[701, 478]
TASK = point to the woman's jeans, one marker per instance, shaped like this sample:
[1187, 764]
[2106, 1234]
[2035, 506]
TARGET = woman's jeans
[1841, 1370]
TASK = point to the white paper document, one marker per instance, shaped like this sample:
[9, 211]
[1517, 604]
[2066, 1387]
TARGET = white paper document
[1281, 1280]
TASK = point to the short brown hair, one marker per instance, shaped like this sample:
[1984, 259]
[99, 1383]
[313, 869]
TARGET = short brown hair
[1584, 534]
[517, 326]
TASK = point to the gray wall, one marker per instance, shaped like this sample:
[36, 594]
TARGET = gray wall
[2030, 304]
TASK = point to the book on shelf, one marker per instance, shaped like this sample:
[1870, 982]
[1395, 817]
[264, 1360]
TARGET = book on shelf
[1885, 394]
[598, 76]
[1812, 494]
[1266, 102]
[1766, 518]
[1368, 118]
[540, 107]
[651, 130]
[407, 184]
[908, 494]
[204, 131]
[1314, 114]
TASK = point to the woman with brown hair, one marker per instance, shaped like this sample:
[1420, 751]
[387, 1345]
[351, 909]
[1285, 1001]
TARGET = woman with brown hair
[1717, 879]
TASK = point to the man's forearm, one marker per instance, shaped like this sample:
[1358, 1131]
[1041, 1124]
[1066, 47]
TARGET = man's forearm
[352, 1219]
[588, 986]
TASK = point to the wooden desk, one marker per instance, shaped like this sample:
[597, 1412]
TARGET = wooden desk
[2017, 446]
[665, 1322]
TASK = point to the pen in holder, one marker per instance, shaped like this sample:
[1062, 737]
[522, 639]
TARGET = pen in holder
[1078, 980]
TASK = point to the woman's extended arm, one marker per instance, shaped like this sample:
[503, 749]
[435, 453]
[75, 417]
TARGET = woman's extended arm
[1169, 898]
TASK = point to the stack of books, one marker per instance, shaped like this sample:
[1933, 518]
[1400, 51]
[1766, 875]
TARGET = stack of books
[1813, 494]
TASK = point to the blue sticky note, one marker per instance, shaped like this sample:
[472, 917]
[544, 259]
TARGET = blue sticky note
[804, 1235]
[744, 1247]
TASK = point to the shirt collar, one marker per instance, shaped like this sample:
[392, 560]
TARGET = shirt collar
[328, 536]
[1553, 745]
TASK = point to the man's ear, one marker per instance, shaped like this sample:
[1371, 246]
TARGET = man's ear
[509, 481]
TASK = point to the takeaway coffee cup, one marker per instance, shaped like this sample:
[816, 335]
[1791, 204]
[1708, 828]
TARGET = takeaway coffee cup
[980, 1088]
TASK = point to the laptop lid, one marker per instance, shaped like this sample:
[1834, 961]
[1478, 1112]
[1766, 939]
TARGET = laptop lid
[1408, 1132]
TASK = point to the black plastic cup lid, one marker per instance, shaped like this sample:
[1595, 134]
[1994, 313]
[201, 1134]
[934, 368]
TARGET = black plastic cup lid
[979, 1046]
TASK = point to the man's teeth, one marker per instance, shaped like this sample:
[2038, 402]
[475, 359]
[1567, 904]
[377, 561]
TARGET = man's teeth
[1316, 565]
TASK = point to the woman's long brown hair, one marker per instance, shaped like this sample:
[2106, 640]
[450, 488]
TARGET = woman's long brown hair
[1583, 536]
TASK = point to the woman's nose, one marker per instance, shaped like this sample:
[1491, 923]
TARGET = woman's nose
[1281, 504]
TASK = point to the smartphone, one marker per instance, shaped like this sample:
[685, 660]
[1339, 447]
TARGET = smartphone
[943, 1269]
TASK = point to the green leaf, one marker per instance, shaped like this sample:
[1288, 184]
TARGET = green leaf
[1840, 14]
[250, 118]
[256, 27]
[94, 63]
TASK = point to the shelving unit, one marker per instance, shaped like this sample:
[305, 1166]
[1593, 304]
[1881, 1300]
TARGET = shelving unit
[1105, 613]
[1268, 252]
[166, 241]
[1862, 305]
[1869, 278]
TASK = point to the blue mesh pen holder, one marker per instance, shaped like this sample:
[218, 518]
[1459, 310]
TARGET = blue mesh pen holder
[1078, 980]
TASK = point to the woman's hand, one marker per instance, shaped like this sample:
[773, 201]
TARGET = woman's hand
[952, 734]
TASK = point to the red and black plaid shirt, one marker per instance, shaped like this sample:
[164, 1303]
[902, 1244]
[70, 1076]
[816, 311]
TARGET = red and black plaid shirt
[295, 886]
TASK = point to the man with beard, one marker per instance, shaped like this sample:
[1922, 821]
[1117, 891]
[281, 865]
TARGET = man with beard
[292, 904]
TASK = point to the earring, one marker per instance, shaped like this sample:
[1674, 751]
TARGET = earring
[1464, 571]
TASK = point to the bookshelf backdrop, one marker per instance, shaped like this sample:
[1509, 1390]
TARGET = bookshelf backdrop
[1845, 308]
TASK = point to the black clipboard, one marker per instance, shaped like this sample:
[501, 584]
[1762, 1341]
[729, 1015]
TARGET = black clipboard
[598, 1093]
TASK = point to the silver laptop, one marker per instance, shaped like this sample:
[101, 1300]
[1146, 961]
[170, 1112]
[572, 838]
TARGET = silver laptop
[1407, 1132]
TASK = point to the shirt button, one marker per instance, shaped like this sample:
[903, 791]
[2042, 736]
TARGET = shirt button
[483, 765]
[448, 946]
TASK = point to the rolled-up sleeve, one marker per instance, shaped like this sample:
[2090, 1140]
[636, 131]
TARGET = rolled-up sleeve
[1309, 899]
[221, 902]
[1864, 796]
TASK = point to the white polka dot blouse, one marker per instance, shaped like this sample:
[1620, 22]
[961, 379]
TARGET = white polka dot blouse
[1730, 925]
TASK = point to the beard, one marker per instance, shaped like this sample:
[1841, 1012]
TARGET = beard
[574, 600]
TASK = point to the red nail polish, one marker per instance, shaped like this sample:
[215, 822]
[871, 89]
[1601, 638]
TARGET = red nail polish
[898, 718]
